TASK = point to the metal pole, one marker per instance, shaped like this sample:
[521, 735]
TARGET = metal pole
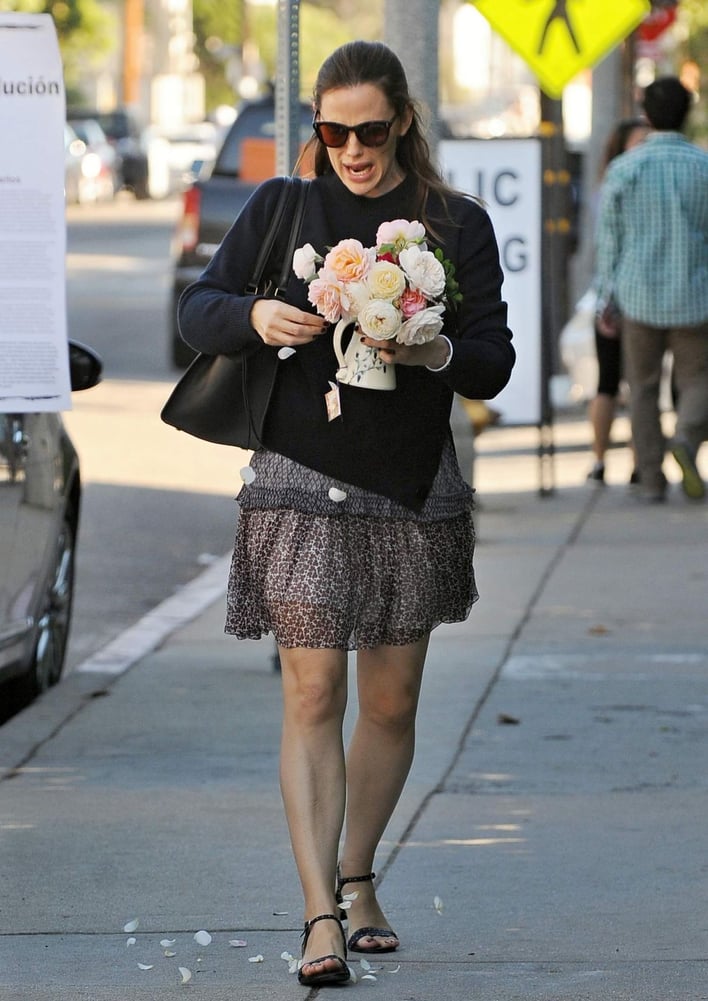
[411, 29]
[287, 87]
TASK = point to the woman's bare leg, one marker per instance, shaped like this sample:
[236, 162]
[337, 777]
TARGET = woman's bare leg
[312, 781]
[378, 762]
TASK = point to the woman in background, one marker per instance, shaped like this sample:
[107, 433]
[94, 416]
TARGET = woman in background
[601, 412]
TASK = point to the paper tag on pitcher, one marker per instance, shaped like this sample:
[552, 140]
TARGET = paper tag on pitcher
[333, 403]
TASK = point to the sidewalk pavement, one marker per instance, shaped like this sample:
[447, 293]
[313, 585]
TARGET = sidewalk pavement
[551, 842]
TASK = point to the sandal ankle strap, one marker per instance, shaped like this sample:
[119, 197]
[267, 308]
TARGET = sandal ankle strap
[343, 880]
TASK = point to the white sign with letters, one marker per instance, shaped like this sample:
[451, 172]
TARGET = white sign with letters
[34, 363]
[506, 175]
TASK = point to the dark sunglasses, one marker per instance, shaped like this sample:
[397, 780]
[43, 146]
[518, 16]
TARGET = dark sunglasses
[334, 134]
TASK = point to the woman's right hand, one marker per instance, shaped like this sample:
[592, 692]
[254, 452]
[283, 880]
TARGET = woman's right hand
[280, 324]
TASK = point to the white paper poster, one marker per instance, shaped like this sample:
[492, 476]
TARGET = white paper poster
[506, 175]
[34, 365]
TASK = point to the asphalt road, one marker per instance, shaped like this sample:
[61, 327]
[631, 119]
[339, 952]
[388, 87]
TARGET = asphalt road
[157, 506]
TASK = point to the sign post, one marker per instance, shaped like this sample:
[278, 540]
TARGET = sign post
[34, 375]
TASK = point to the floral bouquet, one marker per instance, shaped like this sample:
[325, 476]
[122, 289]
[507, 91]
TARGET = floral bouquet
[397, 290]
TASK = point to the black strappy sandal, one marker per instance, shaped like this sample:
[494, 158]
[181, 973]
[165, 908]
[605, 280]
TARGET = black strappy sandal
[369, 932]
[335, 976]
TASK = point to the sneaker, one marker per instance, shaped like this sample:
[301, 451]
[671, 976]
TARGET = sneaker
[693, 485]
[597, 473]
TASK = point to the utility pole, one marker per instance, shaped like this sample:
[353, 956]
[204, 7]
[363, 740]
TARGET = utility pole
[411, 29]
[287, 87]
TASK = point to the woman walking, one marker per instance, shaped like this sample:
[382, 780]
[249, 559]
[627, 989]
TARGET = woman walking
[355, 528]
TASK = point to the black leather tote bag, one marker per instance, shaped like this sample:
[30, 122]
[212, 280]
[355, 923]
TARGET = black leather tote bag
[224, 398]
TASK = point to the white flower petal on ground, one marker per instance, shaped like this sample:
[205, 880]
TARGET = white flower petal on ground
[131, 941]
[247, 474]
[288, 957]
[166, 943]
[286, 352]
[337, 495]
[365, 964]
[370, 976]
[238, 943]
[256, 959]
[185, 974]
[279, 914]
[170, 954]
[144, 966]
[438, 905]
[202, 938]
[395, 970]
[131, 926]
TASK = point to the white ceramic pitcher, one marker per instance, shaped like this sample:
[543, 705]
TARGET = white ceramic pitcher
[360, 365]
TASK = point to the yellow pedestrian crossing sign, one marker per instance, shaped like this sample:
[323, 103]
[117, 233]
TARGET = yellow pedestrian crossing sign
[558, 38]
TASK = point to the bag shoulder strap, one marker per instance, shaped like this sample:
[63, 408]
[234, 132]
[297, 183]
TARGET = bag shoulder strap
[286, 192]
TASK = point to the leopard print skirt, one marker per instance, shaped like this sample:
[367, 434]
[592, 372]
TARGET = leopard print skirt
[352, 579]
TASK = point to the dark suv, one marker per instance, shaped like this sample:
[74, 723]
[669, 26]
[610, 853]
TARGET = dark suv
[212, 202]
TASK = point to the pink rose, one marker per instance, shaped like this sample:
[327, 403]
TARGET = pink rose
[325, 294]
[412, 301]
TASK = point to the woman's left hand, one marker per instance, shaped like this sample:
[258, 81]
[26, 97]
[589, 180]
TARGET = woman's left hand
[435, 353]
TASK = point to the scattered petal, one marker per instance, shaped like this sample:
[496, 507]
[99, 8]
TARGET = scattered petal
[247, 474]
[352, 976]
[337, 495]
[369, 976]
[131, 941]
[365, 964]
[288, 957]
[256, 959]
[286, 353]
[170, 954]
[202, 938]
[294, 965]
[131, 926]
[438, 905]
[279, 914]
[144, 966]
[238, 943]
[395, 970]
[186, 974]
[167, 942]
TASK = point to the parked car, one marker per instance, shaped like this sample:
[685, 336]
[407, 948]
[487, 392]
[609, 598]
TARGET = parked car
[74, 151]
[216, 196]
[104, 177]
[40, 501]
[127, 137]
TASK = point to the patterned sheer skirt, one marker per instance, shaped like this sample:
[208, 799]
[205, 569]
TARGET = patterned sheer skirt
[319, 563]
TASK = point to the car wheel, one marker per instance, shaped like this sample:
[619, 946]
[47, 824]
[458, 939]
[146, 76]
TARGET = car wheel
[54, 618]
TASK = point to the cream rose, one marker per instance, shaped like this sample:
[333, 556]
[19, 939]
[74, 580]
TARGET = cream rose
[380, 320]
[386, 281]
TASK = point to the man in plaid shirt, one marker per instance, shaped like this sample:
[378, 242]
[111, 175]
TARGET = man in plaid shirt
[652, 266]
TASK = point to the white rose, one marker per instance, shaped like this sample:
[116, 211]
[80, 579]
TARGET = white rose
[424, 271]
[304, 261]
[379, 320]
[422, 327]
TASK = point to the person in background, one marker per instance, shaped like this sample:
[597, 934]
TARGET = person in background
[354, 533]
[625, 136]
[652, 262]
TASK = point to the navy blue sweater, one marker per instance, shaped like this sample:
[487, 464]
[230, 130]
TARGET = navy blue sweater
[388, 442]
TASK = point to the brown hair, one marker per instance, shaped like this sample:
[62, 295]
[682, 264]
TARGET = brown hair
[362, 62]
